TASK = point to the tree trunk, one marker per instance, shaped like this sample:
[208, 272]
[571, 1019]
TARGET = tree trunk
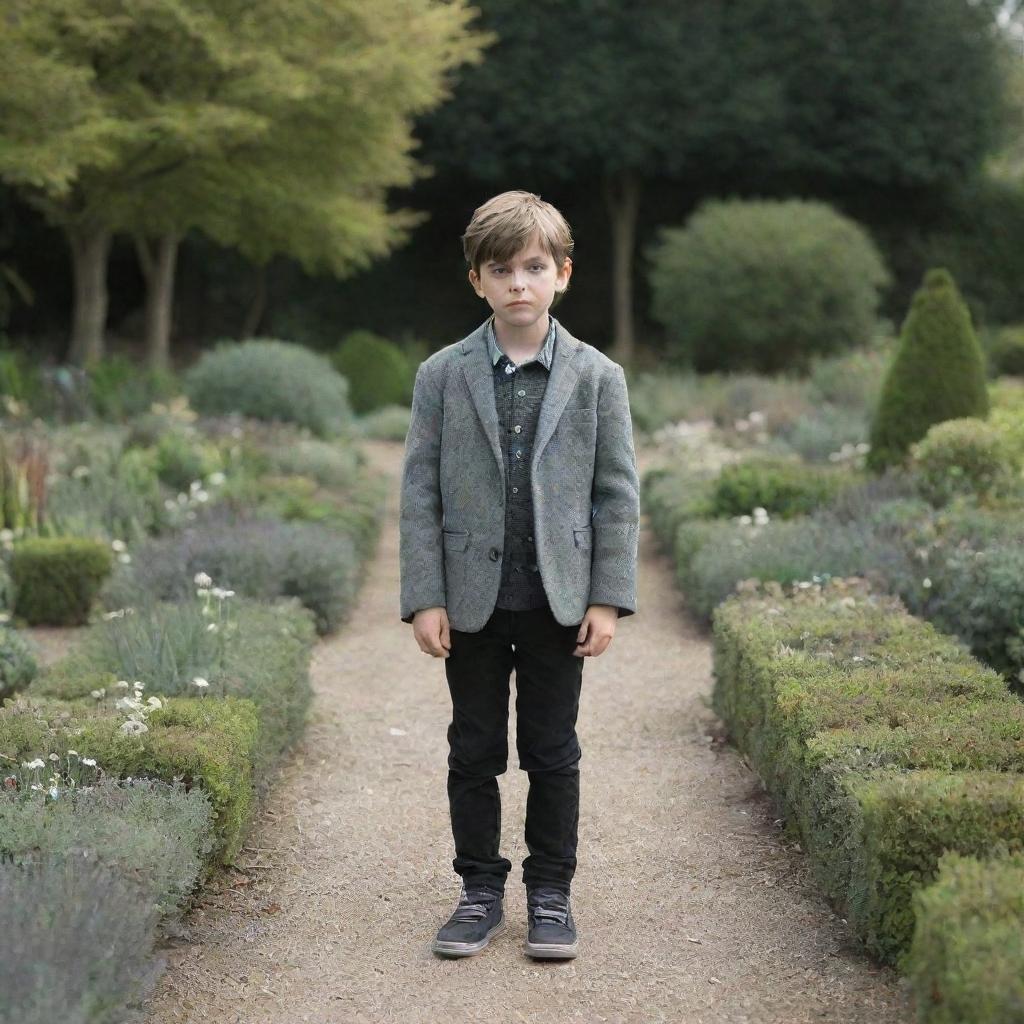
[258, 305]
[622, 197]
[158, 271]
[90, 248]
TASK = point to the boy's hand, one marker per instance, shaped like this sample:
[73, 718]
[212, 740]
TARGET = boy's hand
[596, 630]
[430, 627]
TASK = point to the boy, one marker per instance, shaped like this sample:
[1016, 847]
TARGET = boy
[519, 520]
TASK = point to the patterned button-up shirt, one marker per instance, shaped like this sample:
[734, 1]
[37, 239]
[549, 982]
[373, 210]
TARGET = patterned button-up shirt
[544, 356]
[518, 394]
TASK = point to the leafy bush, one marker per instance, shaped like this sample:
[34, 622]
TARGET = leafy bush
[202, 741]
[271, 380]
[938, 372]
[388, 423]
[182, 458]
[56, 579]
[18, 665]
[154, 831]
[260, 651]
[964, 456]
[84, 942]
[377, 371]
[831, 433]
[1004, 350]
[120, 387]
[783, 488]
[765, 284]
[257, 558]
[851, 380]
[966, 961]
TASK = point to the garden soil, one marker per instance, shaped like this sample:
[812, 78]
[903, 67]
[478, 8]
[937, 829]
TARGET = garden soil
[690, 905]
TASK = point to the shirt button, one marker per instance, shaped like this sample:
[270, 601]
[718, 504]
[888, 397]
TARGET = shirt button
[510, 368]
[519, 453]
[522, 393]
[515, 490]
[519, 429]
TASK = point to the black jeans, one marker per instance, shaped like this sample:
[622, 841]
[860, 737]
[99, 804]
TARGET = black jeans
[548, 680]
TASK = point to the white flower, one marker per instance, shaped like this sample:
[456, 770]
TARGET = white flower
[97, 693]
[54, 792]
[202, 580]
[119, 545]
[37, 763]
[200, 682]
[80, 471]
[90, 761]
[133, 727]
[217, 478]
[75, 752]
[202, 496]
[212, 627]
[127, 704]
[169, 504]
[139, 684]
[155, 702]
[124, 557]
[122, 684]
[54, 757]
[195, 486]
[926, 582]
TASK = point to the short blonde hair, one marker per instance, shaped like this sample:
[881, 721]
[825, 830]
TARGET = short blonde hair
[504, 225]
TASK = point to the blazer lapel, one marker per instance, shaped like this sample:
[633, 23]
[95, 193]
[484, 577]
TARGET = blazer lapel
[479, 376]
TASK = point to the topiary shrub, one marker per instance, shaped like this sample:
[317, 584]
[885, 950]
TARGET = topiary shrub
[964, 456]
[377, 370]
[938, 372]
[271, 380]
[56, 579]
[765, 284]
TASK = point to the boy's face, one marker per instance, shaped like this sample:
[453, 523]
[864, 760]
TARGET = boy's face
[521, 290]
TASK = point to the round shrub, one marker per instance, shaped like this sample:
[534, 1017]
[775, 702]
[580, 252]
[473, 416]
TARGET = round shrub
[377, 370]
[965, 455]
[57, 578]
[782, 488]
[18, 666]
[271, 380]
[938, 372]
[1006, 352]
[765, 284]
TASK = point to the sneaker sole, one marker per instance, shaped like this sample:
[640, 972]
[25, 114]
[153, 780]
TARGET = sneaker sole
[552, 950]
[449, 948]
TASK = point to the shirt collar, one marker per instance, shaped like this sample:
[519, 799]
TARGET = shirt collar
[544, 356]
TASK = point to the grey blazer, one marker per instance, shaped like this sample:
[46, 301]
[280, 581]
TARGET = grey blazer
[585, 488]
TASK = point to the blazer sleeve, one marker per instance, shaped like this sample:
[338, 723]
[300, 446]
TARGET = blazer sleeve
[421, 553]
[616, 501]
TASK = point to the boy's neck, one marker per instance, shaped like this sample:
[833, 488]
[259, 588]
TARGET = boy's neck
[518, 343]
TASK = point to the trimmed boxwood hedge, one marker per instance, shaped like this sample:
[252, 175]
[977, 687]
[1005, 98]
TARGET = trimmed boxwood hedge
[883, 741]
[967, 958]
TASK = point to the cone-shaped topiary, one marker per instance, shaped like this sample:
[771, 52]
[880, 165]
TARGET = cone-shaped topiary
[937, 374]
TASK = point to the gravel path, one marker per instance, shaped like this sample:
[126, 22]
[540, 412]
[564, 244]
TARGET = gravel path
[689, 906]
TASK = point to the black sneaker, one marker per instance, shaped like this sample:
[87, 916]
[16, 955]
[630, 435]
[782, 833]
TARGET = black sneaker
[552, 932]
[476, 920]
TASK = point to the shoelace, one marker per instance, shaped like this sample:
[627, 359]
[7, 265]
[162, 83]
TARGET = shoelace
[474, 905]
[550, 905]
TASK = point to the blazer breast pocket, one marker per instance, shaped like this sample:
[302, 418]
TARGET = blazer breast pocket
[455, 540]
[582, 537]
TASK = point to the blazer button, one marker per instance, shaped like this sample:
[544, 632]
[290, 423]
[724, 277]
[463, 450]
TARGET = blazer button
[495, 554]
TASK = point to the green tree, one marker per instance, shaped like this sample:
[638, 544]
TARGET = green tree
[274, 126]
[605, 93]
[937, 372]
